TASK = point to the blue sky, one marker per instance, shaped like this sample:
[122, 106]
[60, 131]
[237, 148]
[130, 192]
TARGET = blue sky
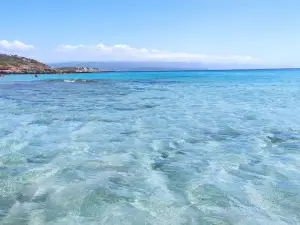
[265, 32]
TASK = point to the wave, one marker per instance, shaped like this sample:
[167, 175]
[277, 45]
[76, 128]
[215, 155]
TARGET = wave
[74, 80]
[143, 81]
[69, 81]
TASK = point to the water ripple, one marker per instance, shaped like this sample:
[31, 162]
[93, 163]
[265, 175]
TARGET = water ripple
[205, 150]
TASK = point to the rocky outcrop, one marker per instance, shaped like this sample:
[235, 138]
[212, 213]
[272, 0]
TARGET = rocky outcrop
[79, 70]
[17, 64]
[14, 64]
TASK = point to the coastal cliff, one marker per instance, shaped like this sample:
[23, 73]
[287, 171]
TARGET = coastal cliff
[14, 64]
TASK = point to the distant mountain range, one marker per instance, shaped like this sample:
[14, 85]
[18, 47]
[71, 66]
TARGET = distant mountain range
[134, 66]
[154, 66]
[19, 64]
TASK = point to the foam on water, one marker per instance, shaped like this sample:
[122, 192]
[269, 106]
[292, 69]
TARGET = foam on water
[151, 148]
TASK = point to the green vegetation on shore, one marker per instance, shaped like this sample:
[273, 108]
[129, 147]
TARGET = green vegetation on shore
[15, 60]
[14, 64]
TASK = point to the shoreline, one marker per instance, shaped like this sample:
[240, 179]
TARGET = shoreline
[53, 73]
[2, 73]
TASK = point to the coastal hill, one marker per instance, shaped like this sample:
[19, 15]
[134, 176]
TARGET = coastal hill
[19, 64]
[14, 64]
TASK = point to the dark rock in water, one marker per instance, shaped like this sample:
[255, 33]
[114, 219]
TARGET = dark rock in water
[5, 204]
[26, 193]
[148, 106]
[157, 165]
[283, 136]
[275, 139]
[164, 155]
[180, 153]
[229, 131]
[37, 159]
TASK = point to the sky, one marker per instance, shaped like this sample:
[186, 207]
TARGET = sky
[226, 32]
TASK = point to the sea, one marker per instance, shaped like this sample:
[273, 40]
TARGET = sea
[151, 148]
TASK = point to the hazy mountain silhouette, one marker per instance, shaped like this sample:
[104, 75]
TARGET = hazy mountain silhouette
[153, 66]
[134, 66]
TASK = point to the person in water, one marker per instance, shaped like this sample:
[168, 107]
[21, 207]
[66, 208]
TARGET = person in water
[36, 75]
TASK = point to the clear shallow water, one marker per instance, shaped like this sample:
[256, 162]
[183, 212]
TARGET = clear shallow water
[212, 147]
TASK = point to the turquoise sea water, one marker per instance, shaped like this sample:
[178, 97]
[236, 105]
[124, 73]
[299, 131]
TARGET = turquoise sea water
[207, 147]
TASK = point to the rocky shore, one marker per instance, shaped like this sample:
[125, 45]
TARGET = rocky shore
[79, 70]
